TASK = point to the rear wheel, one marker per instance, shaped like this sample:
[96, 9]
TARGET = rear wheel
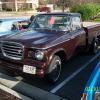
[94, 46]
[54, 69]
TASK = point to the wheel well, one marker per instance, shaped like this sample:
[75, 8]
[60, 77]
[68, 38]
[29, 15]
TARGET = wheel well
[62, 55]
[98, 38]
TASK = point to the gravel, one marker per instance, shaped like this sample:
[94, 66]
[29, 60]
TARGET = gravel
[7, 96]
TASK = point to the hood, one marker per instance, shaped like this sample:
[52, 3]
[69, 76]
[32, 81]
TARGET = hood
[8, 32]
[34, 38]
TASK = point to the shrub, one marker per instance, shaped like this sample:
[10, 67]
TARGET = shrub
[88, 11]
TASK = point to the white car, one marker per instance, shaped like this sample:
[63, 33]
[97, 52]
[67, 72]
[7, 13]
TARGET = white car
[7, 26]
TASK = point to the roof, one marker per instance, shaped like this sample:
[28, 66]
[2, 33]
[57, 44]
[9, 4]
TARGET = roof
[62, 13]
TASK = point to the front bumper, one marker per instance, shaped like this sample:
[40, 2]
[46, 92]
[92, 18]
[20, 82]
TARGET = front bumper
[18, 67]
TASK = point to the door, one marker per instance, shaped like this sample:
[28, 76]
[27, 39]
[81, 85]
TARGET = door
[77, 35]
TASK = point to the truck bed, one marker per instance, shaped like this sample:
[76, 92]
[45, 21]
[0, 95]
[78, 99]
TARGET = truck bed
[86, 24]
[92, 29]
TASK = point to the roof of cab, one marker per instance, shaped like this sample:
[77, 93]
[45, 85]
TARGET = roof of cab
[62, 13]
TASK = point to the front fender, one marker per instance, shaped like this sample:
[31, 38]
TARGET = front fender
[54, 53]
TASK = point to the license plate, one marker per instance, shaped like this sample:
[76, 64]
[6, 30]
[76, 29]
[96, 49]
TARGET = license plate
[29, 69]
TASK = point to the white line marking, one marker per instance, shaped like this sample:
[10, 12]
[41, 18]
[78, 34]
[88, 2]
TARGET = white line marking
[54, 90]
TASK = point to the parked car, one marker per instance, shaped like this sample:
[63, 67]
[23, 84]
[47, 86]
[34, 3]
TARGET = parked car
[7, 26]
[92, 89]
[51, 39]
[43, 9]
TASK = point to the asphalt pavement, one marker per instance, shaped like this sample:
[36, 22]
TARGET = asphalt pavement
[74, 76]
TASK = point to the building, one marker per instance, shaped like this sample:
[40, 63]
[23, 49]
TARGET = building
[18, 5]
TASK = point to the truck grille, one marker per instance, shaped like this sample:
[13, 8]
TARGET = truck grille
[12, 50]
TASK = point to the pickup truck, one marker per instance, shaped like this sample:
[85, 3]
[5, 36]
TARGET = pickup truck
[51, 39]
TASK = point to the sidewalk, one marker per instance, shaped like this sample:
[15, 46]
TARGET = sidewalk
[25, 14]
[16, 14]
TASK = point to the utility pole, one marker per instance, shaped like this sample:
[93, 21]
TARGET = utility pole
[63, 5]
[16, 6]
[0, 5]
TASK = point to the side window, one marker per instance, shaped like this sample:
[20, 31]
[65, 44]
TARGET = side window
[76, 23]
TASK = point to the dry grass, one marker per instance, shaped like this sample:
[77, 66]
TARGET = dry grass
[7, 96]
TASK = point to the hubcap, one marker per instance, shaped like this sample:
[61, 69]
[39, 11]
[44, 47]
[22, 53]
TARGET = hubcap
[95, 47]
[56, 70]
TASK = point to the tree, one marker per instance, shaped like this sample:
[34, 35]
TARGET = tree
[42, 2]
[63, 4]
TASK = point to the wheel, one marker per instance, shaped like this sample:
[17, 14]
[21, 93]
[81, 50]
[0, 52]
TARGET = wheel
[99, 40]
[94, 46]
[54, 70]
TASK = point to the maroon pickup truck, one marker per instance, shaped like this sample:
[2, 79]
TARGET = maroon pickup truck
[51, 39]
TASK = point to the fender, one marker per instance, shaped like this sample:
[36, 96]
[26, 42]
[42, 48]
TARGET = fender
[55, 52]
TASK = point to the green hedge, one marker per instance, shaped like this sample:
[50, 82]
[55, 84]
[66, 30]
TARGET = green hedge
[88, 11]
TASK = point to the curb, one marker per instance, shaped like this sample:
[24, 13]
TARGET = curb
[26, 89]
[12, 92]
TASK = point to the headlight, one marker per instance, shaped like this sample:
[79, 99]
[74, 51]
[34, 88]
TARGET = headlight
[39, 55]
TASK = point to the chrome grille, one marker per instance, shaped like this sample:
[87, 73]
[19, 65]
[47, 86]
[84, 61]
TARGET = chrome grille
[12, 50]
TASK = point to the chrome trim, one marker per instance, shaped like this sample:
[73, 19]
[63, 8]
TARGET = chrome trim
[10, 51]
[13, 50]
[11, 46]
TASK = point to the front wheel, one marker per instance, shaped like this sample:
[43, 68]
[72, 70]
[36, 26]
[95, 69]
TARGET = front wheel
[54, 69]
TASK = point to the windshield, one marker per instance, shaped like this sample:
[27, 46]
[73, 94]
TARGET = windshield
[52, 22]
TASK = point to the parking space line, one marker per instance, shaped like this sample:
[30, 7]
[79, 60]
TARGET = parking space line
[59, 86]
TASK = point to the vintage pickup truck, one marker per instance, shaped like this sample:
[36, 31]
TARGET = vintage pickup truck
[51, 39]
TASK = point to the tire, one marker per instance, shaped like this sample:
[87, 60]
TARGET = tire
[99, 40]
[54, 70]
[94, 46]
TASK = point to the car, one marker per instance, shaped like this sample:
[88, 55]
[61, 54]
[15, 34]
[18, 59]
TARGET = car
[92, 89]
[50, 40]
[7, 26]
[43, 9]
